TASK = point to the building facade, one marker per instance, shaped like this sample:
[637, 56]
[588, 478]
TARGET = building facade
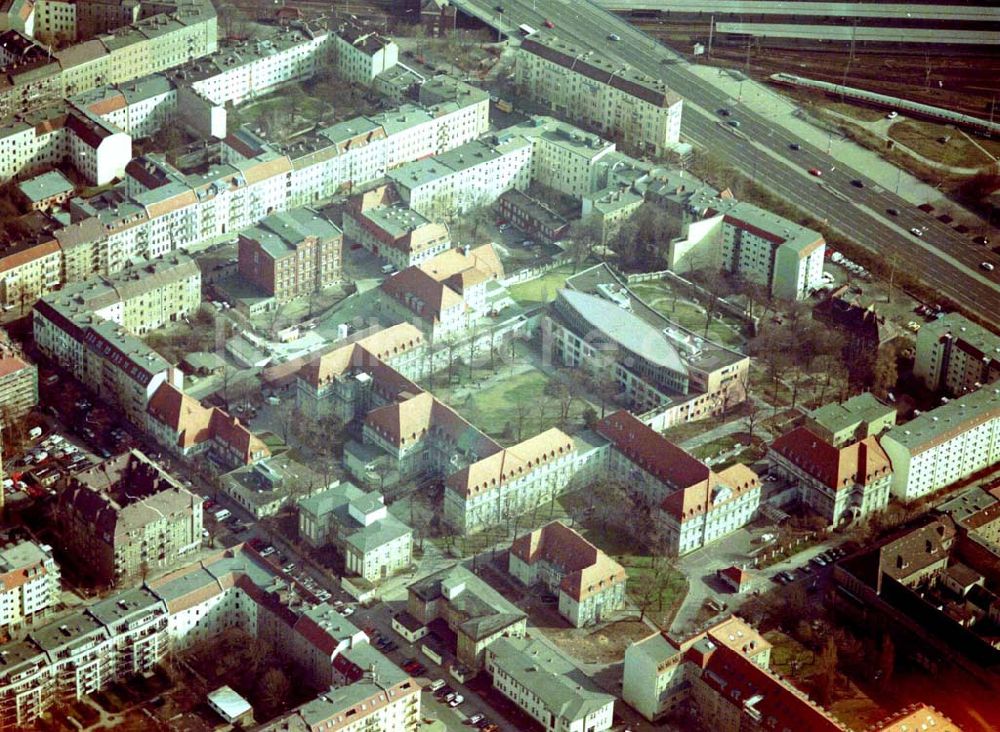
[128, 518]
[18, 386]
[292, 254]
[31, 584]
[944, 445]
[597, 92]
[589, 584]
[840, 483]
[955, 356]
[547, 687]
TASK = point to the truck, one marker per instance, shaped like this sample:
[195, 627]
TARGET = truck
[526, 30]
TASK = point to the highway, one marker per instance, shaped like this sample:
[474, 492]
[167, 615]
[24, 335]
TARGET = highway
[941, 258]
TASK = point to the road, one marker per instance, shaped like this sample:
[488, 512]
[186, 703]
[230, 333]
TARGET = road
[942, 258]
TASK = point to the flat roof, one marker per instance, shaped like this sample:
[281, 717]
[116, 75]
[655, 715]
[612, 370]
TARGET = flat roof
[949, 420]
[44, 186]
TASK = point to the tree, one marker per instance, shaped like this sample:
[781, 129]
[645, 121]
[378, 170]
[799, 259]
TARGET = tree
[885, 374]
[826, 666]
[273, 690]
[585, 235]
[521, 410]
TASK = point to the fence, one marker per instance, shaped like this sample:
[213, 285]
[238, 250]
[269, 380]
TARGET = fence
[531, 273]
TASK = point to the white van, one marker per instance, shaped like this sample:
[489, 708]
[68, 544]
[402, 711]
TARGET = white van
[435, 685]
[34, 433]
[388, 268]
[222, 514]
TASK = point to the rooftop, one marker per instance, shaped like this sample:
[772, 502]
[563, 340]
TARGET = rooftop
[480, 610]
[948, 420]
[837, 417]
[45, 186]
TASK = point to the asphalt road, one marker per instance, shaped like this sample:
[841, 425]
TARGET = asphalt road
[942, 258]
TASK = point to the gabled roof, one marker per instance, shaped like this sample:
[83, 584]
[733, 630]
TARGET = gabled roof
[838, 468]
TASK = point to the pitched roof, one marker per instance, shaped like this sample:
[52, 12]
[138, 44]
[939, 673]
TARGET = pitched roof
[652, 451]
[838, 468]
[502, 466]
[384, 344]
[742, 683]
[917, 718]
[586, 569]
[183, 414]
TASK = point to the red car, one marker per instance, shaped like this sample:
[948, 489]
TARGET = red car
[549, 24]
[816, 171]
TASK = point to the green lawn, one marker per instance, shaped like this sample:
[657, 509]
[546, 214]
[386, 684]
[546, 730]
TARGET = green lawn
[502, 404]
[541, 289]
[687, 314]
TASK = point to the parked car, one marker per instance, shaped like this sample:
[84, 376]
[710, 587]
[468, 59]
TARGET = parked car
[916, 232]
[816, 171]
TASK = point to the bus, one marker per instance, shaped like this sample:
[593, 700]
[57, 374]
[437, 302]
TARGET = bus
[526, 29]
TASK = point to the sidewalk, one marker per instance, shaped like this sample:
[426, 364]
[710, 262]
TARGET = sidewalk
[767, 102]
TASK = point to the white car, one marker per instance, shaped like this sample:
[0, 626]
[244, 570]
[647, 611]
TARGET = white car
[916, 232]
[346, 611]
[892, 115]
[986, 266]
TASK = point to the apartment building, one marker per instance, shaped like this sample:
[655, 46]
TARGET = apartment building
[447, 293]
[955, 356]
[29, 268]
[694, 504]
[842, 483]
[393, 231]
[859, 417]
[291, 254]
[466, 107]
[944, 445]
[466, 177]
[118, 367]
[477, 614]
[31, 584]
[126, 47]
[183, 426]
[374, 543]
[589, 584]
[359, 54]
[128, 633]
[564, 157]
[547, 687]
[18, 384]
[128, 518]
[244, 69]
[596, 92]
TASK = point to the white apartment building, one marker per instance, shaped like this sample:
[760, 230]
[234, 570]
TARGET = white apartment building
[243, 70]
[392, 231]
[564, 157]
[944, 445]
[30, 583]
[955, 355]
[112, 362]
[359, 55]
[547, 687]
[469, 176]
[29, 270]
[598, 93]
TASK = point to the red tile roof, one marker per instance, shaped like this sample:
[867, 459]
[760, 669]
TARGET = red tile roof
[742, 683]
[586, 569]
[860, 462]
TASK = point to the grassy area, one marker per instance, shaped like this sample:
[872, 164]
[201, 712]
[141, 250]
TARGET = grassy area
[517, 401]
[856, 111]
[674, 587]
[541, 289]
[924, 139]
[687, 314]
[720, 444]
